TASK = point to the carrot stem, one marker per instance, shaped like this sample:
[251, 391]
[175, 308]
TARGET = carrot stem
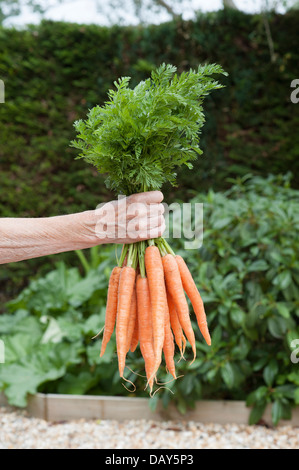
[83, 260]
[132, 256]
[167, 246]
[141, 253]
[123, 255]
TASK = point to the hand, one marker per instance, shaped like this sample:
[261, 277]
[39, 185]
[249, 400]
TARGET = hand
[127, 220]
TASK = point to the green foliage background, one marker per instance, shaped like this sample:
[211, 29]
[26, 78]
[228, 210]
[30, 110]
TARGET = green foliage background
[249, 281]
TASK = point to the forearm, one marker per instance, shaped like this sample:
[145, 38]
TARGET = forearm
[26, 238]
[135, 218]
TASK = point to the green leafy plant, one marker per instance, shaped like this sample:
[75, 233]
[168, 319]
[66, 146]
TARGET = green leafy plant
[249, 277]
[141, 135]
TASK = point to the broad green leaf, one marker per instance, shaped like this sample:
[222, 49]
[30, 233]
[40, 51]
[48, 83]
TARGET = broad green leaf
[93, 353]
[258, 265]
[257, 412]
[53, 333]
[260, 363]
[227, 374]
[182, 406]
[47, 362]
[283, 280]
[78, 384]
[237, 316]
[257, 395]
[216, 337]
[9, 322]
[276, 411]
[270, 372]
[286, 391]
[241, 350]
[18, 346]
[220, 223]
[21, 379]
[82, 291]
[283, 309]
[153, 402]
[277, 326]
[187, 383]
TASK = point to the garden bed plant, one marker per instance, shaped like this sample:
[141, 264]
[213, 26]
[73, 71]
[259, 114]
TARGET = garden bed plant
[250, 287]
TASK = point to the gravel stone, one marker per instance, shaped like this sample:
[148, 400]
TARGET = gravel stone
[20, 431]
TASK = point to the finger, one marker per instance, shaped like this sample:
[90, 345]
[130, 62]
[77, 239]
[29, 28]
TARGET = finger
[149, 197]
[137, 210]
[147, 223]
[140, 210]
[154, 232]
[155, 209]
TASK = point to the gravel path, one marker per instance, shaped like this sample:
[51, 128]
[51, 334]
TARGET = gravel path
[19, 431]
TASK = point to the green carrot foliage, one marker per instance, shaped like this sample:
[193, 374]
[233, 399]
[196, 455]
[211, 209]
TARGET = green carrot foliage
[140, 136]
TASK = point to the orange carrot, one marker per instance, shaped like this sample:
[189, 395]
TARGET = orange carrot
[132, 319]
[195, 298]
[175, 325]
[168, 346]
[111, 307]
[155, 276]
[175, 288]
[125, 293]
[135, 337]
[145, 328]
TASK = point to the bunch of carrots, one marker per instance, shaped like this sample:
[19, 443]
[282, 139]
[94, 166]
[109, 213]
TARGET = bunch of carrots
[138, 139]
[147, 305]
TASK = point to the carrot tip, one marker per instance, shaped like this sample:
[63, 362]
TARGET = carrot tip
[194, 357]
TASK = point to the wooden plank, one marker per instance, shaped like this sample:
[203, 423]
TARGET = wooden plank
[56, 407]
[210, 411]
[3, 400]
[69, 407]
[37, 406]
[121, 409]
[66, 407]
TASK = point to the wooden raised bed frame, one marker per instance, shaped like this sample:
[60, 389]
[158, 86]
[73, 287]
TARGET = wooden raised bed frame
[55, 407]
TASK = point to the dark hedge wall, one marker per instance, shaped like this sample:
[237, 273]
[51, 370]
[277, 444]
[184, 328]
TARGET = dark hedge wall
[54, 72]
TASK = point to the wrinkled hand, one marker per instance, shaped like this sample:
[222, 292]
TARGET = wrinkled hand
[128, 219]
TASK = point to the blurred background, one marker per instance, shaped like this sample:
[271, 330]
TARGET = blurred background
[57, 60]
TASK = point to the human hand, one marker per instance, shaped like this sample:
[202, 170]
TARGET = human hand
[126, 220]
